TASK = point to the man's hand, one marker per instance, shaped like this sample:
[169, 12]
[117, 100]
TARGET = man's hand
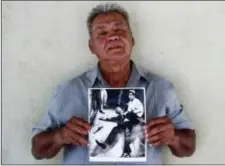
[160, 131]
[48, 143]
[75, 132]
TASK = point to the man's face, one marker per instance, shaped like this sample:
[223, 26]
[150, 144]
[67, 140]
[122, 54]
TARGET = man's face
[111, 38]
[131, 96]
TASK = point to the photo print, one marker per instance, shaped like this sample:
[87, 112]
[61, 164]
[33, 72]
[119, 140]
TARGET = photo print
[117, 116]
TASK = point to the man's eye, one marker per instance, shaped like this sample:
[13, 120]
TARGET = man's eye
[119, 30]
[102, 33]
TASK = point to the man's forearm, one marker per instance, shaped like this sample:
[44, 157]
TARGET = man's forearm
[46, 144]
[183, 144]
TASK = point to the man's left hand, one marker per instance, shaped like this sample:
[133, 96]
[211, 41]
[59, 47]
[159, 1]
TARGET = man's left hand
[160, 131]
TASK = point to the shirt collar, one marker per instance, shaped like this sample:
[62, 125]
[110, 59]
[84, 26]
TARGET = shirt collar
[95, 74]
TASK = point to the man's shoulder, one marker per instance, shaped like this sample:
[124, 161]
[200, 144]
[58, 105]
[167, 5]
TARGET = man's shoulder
[78, 82]
[136, 100]
[156, 81]
[85, 78]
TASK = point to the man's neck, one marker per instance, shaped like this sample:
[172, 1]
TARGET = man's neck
[118, 77]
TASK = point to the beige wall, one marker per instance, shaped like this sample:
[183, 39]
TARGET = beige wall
[45, 43]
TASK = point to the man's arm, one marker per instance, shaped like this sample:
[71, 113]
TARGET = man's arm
[48, 144]
[161, 131]
[139, 109]
[170, 124]
[183, 143]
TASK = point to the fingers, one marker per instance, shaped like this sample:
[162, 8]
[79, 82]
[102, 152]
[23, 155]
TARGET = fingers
[157, 121]
[67, 139]
[158, 142]
[76, 138]
[77, 129]
[155, 138]
[157, 129]
[81, 123]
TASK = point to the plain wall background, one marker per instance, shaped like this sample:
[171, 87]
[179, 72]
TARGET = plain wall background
[46, 43]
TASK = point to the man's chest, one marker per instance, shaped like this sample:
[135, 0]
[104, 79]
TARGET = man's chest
[80, 104]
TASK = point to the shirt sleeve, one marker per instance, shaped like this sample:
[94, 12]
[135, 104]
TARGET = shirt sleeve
[49, 120]
[167, 104]
[138, 109]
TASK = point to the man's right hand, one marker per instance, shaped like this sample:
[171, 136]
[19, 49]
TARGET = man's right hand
[47, 144]
[75, 132]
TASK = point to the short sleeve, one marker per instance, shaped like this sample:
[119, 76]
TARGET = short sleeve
[50, 119]
[139, 110]
[175, 111]
[167, 104]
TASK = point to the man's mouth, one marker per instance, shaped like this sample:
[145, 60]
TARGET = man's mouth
[115, 47]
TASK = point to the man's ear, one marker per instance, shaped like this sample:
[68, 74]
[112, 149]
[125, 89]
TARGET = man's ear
[90, 44]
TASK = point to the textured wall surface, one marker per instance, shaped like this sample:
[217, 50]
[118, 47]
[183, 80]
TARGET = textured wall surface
[46, 43]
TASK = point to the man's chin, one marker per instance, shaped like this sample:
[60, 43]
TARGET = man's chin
[114, 63]
[117, 56]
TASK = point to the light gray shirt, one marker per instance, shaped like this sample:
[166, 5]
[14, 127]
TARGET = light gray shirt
[71, 99]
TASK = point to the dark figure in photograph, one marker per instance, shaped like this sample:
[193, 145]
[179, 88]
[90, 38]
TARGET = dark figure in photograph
[96, 104]
[127, 142]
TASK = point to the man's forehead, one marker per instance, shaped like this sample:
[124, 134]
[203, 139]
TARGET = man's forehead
[106, 23]
[106, 19]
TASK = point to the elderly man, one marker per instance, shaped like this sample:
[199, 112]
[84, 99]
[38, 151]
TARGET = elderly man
[65, 123]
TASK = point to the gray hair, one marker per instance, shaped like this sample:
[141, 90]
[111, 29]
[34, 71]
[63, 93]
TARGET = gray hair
[106, 8]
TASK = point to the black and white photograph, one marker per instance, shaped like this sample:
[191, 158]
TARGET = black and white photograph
[117, 116]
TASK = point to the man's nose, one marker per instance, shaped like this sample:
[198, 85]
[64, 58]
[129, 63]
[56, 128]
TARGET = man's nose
[113, 37]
